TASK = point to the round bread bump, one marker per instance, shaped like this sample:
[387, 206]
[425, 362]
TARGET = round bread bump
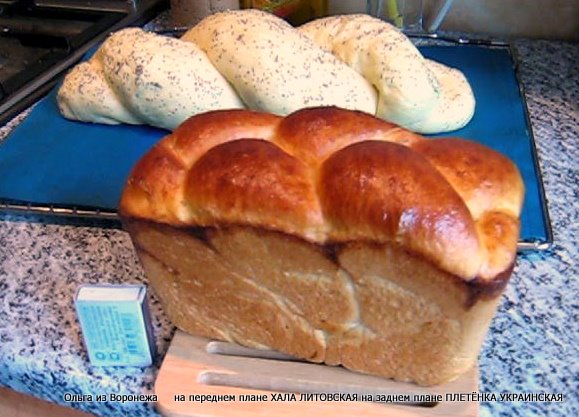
[139, 77]
[85, 95]
[383, 191]
[252, 181]
[414, 93]
[310, 134]
[486, 180]
[455, 105]
[275, 68]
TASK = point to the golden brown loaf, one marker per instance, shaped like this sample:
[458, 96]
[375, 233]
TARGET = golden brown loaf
[330, 235]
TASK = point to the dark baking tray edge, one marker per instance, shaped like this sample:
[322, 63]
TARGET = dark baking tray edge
[27, 208]
[548, 242]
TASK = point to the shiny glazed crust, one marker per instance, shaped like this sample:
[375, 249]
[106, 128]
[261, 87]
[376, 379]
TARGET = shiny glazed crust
[330, 235]
[332, 175]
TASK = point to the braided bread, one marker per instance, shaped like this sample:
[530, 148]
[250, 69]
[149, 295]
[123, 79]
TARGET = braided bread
[253, 59]
[416, 93]
[330, 235]
[275, 68]
[137, 77]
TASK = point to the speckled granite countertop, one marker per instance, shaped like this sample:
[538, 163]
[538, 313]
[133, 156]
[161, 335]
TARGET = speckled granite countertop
[532, 345]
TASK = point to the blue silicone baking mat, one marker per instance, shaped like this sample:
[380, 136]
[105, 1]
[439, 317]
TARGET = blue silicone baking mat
[50, 161]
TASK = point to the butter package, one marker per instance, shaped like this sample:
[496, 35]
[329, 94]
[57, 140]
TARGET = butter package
[115, 323]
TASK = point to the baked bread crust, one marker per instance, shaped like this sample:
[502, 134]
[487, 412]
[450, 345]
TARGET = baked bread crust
[330, 235]
[331, 175]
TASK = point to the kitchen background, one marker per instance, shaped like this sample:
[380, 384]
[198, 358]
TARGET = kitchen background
[551, 19]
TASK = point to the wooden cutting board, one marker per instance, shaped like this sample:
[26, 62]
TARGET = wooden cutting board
[196, 367]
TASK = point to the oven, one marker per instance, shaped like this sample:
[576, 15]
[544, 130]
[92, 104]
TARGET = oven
[40, 39]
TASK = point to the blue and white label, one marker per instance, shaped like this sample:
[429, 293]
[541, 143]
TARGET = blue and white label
[114, 325]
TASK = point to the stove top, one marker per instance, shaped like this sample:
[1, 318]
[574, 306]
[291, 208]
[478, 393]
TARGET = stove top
[40, 39]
